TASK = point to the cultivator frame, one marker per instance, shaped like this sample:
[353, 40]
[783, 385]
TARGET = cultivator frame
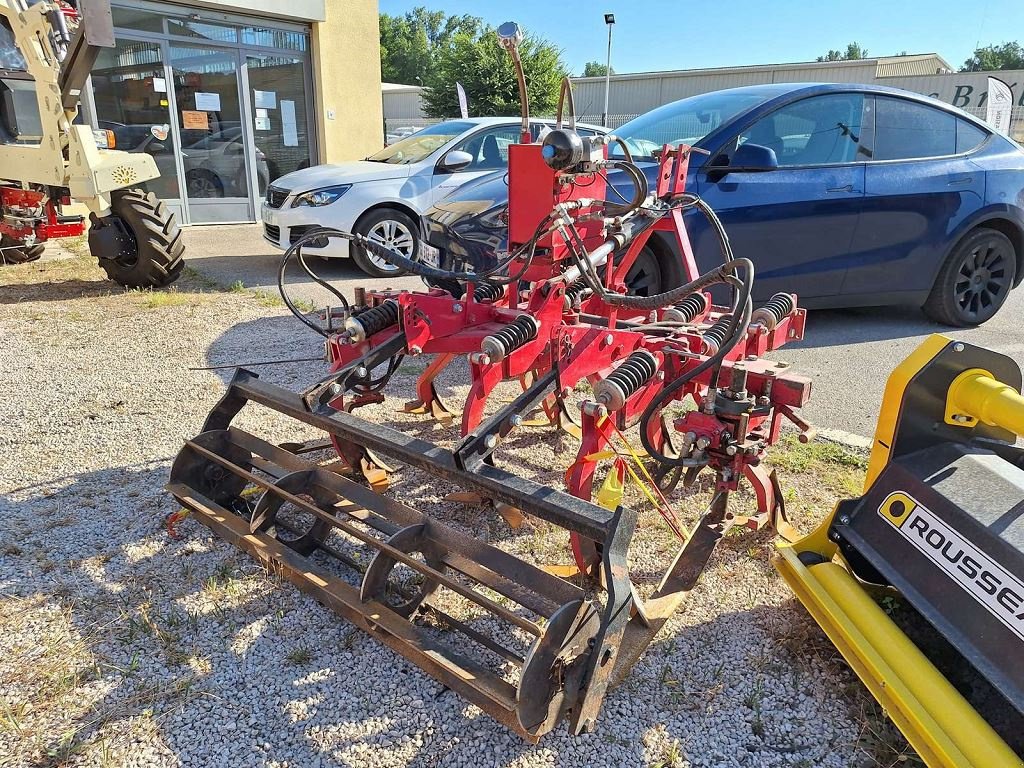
[559, 317]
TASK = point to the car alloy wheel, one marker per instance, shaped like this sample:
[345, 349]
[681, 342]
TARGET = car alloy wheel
[644, 278]
[982, 279]
[393, 234]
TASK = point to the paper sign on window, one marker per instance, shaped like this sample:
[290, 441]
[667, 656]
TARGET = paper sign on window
[195, 121]
[290, 131]
[265, 99]
[208, 102]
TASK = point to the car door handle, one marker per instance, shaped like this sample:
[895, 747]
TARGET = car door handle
[957, 181]
[847, 188]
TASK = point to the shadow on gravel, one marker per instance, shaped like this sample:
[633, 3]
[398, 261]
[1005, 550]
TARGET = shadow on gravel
[60, 290]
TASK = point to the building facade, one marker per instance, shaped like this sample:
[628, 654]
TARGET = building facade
[228, 95]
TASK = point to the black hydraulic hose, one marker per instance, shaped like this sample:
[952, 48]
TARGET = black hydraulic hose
[293, 250]
[737, 330]
[640, 189]
[625, 149]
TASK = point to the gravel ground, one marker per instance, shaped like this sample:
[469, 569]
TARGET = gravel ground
[122, 646]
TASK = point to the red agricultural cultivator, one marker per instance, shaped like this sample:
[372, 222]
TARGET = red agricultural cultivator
[553, 312]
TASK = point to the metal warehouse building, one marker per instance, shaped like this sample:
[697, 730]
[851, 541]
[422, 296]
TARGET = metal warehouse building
[633, 94]
[227, 95]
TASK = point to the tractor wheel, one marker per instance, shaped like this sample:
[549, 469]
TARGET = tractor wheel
[16, 252]
[139, 244]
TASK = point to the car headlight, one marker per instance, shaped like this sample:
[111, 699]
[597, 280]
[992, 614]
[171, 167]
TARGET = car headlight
[319, 197]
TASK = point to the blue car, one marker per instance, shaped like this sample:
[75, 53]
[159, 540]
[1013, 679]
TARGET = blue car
[848, 195]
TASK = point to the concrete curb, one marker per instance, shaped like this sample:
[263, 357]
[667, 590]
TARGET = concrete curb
[848, 439]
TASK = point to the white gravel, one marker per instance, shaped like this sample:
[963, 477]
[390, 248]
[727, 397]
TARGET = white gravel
[122, 646]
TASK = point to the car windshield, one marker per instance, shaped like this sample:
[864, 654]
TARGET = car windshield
[420, 144]
[687, 121]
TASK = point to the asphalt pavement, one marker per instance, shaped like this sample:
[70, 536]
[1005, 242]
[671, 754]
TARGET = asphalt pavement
[848, 353]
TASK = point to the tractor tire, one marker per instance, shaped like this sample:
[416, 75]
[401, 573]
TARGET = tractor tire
[152, 256]
[974, 281]
[16, 252]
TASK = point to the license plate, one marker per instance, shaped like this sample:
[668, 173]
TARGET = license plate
[430, 255]
[268, 215]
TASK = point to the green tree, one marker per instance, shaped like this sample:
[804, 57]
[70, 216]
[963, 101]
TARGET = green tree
[595, 69]
[991, 57]
[853, 51]
[486, 72]
[409, 43]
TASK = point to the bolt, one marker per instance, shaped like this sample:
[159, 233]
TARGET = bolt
[844, 520]
[961, 418]
[415, 351]
[751, 358]
[958, 347]
[515, 420]
[608, 339]
[731, 450]
[490, 441]
[361, 372]
[456, 308]
[335, 388]
[834, 535]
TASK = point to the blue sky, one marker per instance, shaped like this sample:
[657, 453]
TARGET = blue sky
[685, 34]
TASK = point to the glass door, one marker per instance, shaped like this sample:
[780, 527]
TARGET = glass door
[131, 102]
[213, 135]
[277, 93]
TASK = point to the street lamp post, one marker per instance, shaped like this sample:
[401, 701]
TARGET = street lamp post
[609, 19]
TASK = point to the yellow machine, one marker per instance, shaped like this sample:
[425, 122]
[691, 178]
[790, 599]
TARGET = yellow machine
[47, 49]
[941, 521]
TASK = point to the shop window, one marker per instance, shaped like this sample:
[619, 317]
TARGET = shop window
[275, 38]
[200, 30]
[131, 18]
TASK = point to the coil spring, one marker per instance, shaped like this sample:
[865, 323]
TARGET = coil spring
[372, 320]
[685, 311]
[771, 314]
[510, 338]
[488, 292]
[624, 381]
[715, 335]
[575, 293]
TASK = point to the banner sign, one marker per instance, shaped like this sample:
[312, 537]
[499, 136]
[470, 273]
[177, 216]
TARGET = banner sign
[1000, 105]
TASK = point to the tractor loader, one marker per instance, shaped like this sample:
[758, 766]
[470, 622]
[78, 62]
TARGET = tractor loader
[47, 50]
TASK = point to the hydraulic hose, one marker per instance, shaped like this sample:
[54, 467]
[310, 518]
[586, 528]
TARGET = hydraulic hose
[640, 189]
[737, 329]
[295, 250]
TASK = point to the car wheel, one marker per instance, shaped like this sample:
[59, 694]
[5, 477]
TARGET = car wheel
[645, 277]
[203, 184]
[974, 281]
[391, 228]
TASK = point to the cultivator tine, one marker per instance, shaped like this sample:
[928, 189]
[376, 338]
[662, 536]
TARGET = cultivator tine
[427, 398]
[676, 585]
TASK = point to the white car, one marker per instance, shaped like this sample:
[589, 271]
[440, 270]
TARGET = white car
[383, 196]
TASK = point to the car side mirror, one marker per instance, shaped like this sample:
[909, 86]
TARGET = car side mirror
[751, 158]
[155, 148]
[456, 160]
